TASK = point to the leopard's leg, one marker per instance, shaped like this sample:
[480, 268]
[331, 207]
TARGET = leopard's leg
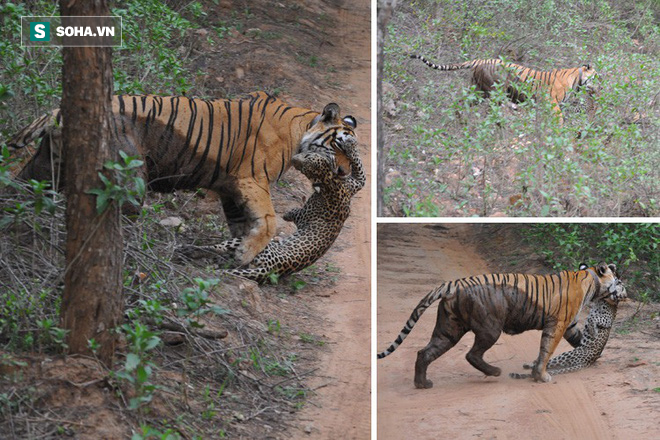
[228, 247]
[257, 274]
[293, 215]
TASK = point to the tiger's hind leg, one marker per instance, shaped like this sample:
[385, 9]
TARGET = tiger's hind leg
[47, 163]
[484, 339]
[435, 348]
[445, 335]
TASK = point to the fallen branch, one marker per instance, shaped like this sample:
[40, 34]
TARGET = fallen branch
[202, 332]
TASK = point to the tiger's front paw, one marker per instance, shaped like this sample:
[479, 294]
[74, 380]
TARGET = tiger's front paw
[545, 377]
[246, 252]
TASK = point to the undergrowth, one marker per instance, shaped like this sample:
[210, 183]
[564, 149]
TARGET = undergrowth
[633, 247]
[449, 153]
[177, 317]
[182, 320]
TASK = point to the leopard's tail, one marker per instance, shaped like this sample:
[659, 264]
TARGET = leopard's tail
[440, 292]
[40, 127]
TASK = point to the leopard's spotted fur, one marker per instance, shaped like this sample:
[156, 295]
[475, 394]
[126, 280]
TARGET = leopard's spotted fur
[318, 222]
[594, 337]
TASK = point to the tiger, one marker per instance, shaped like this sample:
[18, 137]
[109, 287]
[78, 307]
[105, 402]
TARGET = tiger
[234, 147]
[557, 82]
[513, 303]
[319, 221]
[595, 335]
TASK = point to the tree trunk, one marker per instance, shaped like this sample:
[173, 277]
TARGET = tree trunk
[92, 303]
[385, 8]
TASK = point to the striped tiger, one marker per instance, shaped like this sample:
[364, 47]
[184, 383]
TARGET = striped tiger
[557, 82]
[513, 303]
[318, 222]
[235, 147]
[595, 335]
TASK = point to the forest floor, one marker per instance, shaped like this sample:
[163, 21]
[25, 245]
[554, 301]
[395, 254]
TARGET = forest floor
[309, 54]
[613, 399]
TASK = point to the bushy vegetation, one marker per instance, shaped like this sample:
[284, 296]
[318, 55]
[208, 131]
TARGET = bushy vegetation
[449, 153]
[176, 316]
[169, 302]
[633, 247]
[156, 46]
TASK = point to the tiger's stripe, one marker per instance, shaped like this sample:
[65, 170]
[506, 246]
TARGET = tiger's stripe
[557, 82]
[235, 147]
[424, 304]
[535, 297]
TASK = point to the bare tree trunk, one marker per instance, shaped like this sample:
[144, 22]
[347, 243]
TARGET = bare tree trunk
[385, 8]
[92, 304]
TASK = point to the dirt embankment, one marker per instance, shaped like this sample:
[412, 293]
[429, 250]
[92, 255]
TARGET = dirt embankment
[617, 398]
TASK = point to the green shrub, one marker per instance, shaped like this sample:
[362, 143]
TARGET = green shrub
[468, 157]
[633, 247]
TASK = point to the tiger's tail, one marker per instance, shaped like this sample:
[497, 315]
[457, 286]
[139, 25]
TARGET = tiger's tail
[439, 292]
[40, 127]
[458, 66]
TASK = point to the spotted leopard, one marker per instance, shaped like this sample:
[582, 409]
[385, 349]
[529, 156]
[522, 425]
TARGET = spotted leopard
[594, 337]
[318, 221]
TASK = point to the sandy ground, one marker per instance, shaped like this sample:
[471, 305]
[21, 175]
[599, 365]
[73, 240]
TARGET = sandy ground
[341, 406]
[614, 399]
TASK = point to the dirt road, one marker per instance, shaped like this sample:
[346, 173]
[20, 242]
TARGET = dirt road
[341, 406]
[611, 400]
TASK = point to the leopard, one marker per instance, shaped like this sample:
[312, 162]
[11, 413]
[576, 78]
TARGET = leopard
[594, 338]
[318, 222]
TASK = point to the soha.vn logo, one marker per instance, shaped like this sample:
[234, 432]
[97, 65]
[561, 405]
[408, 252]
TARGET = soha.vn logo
[39, 31]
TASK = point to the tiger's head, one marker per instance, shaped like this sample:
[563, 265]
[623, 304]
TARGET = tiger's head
[586, 77]
[611, 288]
[326, 135]
[318, 168]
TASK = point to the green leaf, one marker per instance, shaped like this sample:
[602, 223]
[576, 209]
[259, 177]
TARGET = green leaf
[101, 202]
[152, 342]
[4, 221]
[132, 361]
[142, 374]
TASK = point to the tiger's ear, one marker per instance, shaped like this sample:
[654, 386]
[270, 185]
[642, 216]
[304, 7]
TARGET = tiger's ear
[612, 268]
[330, 112]
[587, 66]
[601, 269]
[583, 266]
[350, 121]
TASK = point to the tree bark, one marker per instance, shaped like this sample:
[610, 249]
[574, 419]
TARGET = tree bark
[385, 8]
[92, 304]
